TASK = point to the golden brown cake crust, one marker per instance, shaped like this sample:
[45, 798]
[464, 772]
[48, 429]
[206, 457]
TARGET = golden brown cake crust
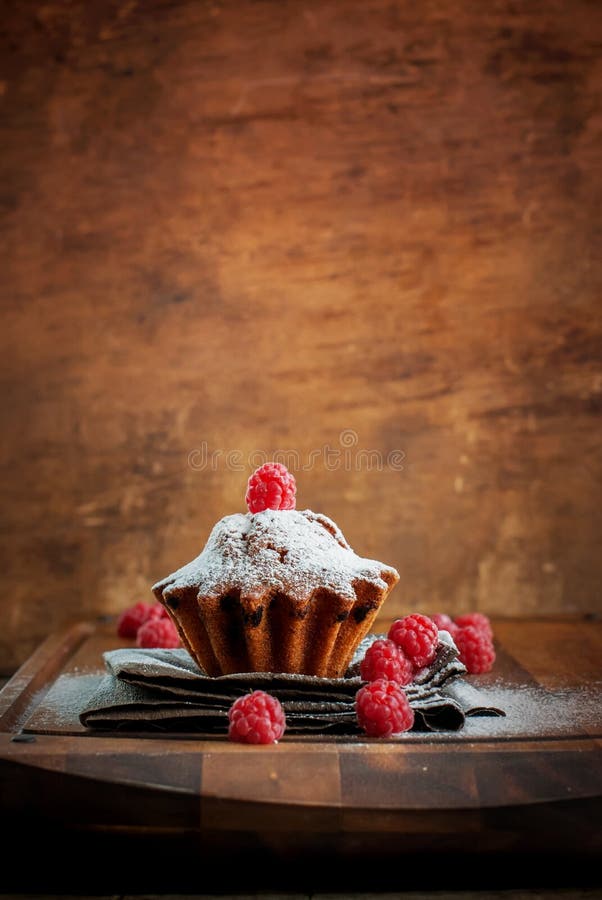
[279, 591]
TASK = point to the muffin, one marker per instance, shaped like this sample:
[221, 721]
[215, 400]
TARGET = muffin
[275, 590]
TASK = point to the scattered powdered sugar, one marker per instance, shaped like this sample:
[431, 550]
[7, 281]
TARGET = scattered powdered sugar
[61, 706]
[292, 551]
[532, 710]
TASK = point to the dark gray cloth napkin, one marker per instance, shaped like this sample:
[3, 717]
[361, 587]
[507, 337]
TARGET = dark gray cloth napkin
[165, 690]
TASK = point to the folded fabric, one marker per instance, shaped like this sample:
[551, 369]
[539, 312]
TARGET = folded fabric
[161, 689]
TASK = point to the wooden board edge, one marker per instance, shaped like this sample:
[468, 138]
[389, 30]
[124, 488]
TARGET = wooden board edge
[34, 677]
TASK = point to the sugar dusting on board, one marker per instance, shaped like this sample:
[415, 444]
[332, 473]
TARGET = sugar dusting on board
[60, 708]
[296, 552]
[532, 710]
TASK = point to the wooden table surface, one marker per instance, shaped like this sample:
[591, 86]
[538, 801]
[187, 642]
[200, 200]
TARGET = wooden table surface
[501, 788]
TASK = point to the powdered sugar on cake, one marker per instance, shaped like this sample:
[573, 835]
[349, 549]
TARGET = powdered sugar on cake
[291, 551]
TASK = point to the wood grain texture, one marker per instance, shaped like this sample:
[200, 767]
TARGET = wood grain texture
[420, 785]
[257, 227]
[367, 807]
[229, 813]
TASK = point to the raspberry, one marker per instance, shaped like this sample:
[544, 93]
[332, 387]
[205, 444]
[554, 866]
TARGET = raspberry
[158, 633]
[442, 621]
[477, 620]
[256, 718]
[385, 660]
[475, 649]
[271, 487]
[445, 623]
[134, 616]
[382, 709]
[417, 636]
[158, 611]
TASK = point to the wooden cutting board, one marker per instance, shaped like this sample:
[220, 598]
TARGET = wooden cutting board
[530, 778]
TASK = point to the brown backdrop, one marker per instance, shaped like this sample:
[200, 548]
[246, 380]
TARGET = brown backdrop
[279, 226]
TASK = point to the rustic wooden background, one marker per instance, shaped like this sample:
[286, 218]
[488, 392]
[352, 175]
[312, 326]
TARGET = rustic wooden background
[355, 224]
